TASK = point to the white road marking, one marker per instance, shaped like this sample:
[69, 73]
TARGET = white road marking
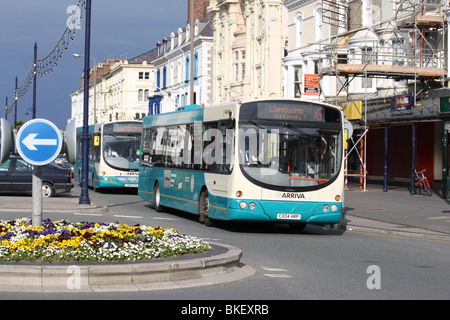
[273, 269]
[88, 214]
[131, 217]
[275, 275]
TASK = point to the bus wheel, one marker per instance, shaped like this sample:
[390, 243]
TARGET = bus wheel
[203, 210]
[93, 184]
[157, 198]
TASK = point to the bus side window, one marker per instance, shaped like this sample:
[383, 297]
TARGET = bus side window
[209, 151]
[158, 147]
[148, 139]
[227, 130]
[96, 147]
[79, 150]
[196, 153]
[171, 142]
[183, 149]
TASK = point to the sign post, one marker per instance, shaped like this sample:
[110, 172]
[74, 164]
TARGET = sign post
[38, 143]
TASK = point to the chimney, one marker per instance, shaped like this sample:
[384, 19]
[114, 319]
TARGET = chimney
[200, 11]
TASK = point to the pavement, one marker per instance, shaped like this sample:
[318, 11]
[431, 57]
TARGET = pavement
[396, 212]
[372, 211]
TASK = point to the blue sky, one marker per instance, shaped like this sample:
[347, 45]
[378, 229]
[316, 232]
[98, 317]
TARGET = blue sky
[119, 29]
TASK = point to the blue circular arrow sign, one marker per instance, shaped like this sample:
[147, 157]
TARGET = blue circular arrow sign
[39, 142]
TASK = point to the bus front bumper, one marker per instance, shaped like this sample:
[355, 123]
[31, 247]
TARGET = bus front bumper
[286, 211]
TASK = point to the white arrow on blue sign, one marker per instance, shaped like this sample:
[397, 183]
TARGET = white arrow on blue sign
[39, 142]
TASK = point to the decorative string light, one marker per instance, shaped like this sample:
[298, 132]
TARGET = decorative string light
[45, 66]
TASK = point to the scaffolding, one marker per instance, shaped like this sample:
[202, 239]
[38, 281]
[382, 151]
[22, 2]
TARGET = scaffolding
[398, 44]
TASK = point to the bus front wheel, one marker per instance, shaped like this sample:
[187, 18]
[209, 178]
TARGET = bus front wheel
[203, 209]
[157, 198]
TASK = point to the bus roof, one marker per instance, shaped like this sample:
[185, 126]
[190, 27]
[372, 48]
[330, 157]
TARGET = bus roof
[172, 118]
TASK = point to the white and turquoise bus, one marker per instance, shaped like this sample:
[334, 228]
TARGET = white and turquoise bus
[264, 160]
[113, 154]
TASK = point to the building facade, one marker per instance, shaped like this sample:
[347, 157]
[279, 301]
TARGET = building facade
[172, 69]
[383, 62]
[120, 92]
[249, 43]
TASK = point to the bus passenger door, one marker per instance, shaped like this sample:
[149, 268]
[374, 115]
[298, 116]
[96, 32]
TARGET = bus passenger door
[218, 188]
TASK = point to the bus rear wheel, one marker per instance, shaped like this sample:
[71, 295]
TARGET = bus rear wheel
[157, 198]
[203, 209]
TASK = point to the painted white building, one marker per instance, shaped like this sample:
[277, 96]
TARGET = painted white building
[121, 92]
[249, 44]
[307, 37]
[172, 69]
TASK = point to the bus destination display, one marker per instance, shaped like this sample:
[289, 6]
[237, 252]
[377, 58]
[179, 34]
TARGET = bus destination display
[291, 112]
[122, 127]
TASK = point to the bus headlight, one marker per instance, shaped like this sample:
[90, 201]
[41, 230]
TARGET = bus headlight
[252, 206]
[334, 207]
[325, 208]
[243, 204]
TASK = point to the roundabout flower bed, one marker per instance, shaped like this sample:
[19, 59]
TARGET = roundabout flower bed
[64, 241]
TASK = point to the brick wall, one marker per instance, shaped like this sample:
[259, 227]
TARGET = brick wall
[199, 9]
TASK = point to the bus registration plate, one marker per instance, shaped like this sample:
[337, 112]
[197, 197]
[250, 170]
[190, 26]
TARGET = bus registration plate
[131, 185]
[289, 216]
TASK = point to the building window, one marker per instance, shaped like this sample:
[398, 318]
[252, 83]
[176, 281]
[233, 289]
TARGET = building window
[399, 52]
[187, 69]
[298, 76]
[158, 80]
[429, 56]
[141, 95]
[239, 65]
[195, 65]
[236, 66]
[164, 77]
[243, 65]
[318, 22]
[368, 57]
[299, 29]
[144, 75]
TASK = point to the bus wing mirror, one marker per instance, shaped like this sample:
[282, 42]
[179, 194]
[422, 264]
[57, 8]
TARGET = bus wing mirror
[5, 140]
[147, 164]
[71, 142]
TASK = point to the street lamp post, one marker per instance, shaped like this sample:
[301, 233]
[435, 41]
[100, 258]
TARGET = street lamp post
[84, 198]
[34, 80]
[76, 55]
[15, 105]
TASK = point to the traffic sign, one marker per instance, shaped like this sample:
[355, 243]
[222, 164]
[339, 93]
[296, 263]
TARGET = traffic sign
[39, 142]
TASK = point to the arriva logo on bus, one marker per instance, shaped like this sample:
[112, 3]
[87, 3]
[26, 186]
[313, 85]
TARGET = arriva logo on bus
[290, 195]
